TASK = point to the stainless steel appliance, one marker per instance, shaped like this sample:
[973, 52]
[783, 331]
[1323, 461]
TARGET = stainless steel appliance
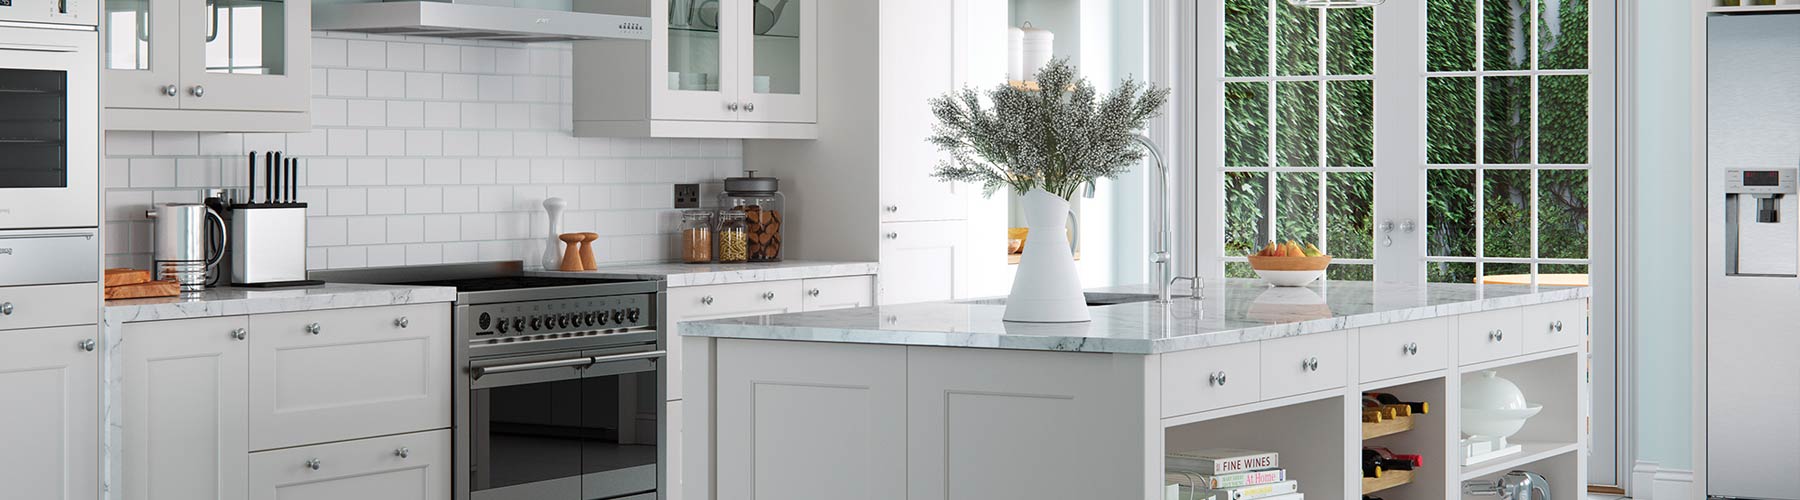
[49, 142]
[1753, 142]
[48, 257]
[182, 246]
[559, 381]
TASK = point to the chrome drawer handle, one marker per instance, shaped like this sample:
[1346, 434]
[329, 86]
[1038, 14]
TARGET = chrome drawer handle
[314, 329]
[240, 334]
[768, 295]
[1310, 364]
[707, 300]
[171, 90]
[1216, 378]
[6, 309]
[813, 292]
[402, 322]
[403, 452]
[1410, 348]
[1496, 335]
[88, 345]
[1557, 326]
[314, 464]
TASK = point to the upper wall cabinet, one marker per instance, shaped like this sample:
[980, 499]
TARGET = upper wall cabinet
[744, 69]
[208, 65]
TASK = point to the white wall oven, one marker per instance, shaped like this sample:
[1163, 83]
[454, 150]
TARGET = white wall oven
[49, 116]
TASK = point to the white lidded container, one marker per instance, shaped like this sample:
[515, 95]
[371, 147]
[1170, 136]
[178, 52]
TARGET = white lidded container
[1015, 55]
[1036, 48]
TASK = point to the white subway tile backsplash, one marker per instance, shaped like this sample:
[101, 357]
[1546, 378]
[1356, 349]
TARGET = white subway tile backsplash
[496, 143]
[367, 172]
[512, 115]
[417, 255]
[386, 201]
[405, 56]
[311, 143]
[327, 231]
[406, 229]
[495, 87]
[387, 142]
[443, 115]
[405, 113]
[367, 54]
[478, 60]
[445, 58]
[424, 143]
[461, 87]
[347, 257]
[330, 53]
[461, 143]
[386, 84]
[347, 201]
[424, 200]
[175, 143]
[153, 172]
[441, 228]
[495, 199]
[367, 230]
[347, 82]
[459, 199]
[387, 255]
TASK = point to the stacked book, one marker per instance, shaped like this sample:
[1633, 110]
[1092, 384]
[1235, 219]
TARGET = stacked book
[1227, 474]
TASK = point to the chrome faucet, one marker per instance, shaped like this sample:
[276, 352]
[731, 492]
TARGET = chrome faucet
[1515, 485]
[1161, 240]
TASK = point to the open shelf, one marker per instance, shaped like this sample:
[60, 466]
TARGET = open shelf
[1388, 479]
[1308, 436]
[1388, 427]
[1533, 452]
[1561, 466]
[1423, 434]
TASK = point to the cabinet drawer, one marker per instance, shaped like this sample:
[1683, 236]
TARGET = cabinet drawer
[1206, 379]
[824, 294]
[1489, 335]
[1303, 364]
[358, 373]
[696, 303]
[49, 305]
[1554, 326]
[404, 467]
[1389, 351]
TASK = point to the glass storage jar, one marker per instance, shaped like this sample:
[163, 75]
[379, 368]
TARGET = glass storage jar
[732, 235]
[759, 200]
[697, 236]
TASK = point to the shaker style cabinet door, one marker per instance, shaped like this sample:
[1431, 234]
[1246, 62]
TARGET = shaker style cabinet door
[49, 389]
[922, 261]
[185, 388]
[778, 61]
[142, 54]
[252, 55]
[694, 69]
[908, 192]
[404, 467]
[698, 303]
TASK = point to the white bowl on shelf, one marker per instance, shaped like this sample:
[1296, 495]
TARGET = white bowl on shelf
[1494, 407]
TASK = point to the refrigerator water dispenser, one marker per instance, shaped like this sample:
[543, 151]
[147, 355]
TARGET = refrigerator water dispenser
[1762, 222]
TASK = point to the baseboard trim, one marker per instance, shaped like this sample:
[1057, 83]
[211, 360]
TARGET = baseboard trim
[1650, 481]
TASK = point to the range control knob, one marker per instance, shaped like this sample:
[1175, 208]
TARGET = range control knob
[485, 321]
[562, 320]
[588, 319]
[618, 316]
[602, 316]
[504, 326]
[537, 322]
[519, 324]
[632, 315]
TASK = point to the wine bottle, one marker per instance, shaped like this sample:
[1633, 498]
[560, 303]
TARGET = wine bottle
[1392, 461]
[1387, 411]
[1371, 465]
[1418, 407]
[1367, 497]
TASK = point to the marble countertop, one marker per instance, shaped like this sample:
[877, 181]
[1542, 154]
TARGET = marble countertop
[230, 301]
[680, 275]
[1233, 311]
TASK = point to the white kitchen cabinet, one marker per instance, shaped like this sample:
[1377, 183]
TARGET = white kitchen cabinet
[923, 261]
[185, 395]
[924, 54]
[1399, 349]
[1489, 335]
[403, 467]
[211, 66]
[722, 301]
[1303, 364]
[49, 389]
[672, 457]
[825, 294]
[811, 421]
[319, 376]
[1208, 379]
[708, 71]
[1554, 326]
[48, 305]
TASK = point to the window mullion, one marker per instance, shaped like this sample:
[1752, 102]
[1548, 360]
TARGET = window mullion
[1480, 140]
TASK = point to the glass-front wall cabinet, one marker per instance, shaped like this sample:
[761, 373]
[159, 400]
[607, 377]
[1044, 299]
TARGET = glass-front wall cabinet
[219, 55]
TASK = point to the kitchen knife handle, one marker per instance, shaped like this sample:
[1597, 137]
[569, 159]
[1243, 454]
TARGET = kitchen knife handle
[250, 187]
[279, 174]
[269, 173]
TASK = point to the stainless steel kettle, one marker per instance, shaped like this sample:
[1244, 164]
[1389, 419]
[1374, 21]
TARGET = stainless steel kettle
[180, 239]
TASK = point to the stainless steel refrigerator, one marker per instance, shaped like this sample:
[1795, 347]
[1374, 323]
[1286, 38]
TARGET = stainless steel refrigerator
[1753, 237]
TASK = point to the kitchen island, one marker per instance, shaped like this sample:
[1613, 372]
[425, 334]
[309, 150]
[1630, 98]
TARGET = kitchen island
[944, 400]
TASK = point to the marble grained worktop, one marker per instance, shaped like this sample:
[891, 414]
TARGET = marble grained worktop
[230, 301]
[680, 275]
[1233, 311]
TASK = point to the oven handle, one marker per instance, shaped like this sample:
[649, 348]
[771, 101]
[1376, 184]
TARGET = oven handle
[479, 371]
[37, 48]
[630, 357]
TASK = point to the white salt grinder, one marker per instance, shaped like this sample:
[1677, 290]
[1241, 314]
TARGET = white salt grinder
[554, 206]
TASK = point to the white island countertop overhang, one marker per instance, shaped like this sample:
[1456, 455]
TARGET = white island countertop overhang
[1232, 311]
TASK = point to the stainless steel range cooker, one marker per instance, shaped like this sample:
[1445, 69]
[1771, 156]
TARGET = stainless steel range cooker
[559, 381]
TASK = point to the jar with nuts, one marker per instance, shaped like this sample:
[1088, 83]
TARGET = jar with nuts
[733, 238]
[759, 200]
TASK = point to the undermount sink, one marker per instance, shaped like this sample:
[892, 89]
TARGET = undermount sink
[1094, 299]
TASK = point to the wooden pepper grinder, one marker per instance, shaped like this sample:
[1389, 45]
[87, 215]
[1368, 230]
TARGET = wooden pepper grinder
[571, 258]
[587, 252]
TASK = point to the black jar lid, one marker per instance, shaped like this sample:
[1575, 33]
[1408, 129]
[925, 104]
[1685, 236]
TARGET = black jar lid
[750, 184]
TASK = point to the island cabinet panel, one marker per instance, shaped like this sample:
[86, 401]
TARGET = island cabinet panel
[1212, 378]
[1554, 326]
[810, 421]
[1307, 363]
[186, 434]
[1400, 349]
[1489, 335]
[985, 423]
[48, 383]
[700, 303]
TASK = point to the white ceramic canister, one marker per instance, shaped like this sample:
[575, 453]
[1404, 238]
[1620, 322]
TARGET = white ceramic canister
[1036, 49]
[1015, 55]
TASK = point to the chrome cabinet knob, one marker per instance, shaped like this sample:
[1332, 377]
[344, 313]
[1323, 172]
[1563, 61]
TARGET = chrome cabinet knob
[813, 292]
[402, 322]
[731, 106]
[403, 452]
[1410, 348]
[6, 309]
[314, 329]
[768, 295]
[893, 208]
[198, 91]
[88, 345]
[171, 90]
[750, 106]
[893, 236]
[1216, 378]
[1310, 364]
[1557, 326]
[240, 334]
[315, 464]
[1496, 335]
[707, 300]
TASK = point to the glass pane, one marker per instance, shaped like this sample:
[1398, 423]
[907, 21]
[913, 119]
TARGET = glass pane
[1350, 124]
[1297, 124]
[1246, 124]
[1506, 220]
[777, 44]
[1450, 272]
[1563, 119]
[1246, 212]
[1575, 274]
[522, 438]
[1297, 207]
[1450, 213]
[1296, 40]
[1350, 215]
[1506, 35]
[1563, 34]
[1450, 120]
[1563, 214]
[1350, 34]
[618, 428]
[1239, 270]
[1508, 122]
[1246, 37]
[1450, 35]
[33, 135]
[1506, 274]
[246, 36]
[694, 46]
[128, 34]
[1350, 272]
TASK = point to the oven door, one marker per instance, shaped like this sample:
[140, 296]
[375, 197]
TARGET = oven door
[49, 139]
[572, 426]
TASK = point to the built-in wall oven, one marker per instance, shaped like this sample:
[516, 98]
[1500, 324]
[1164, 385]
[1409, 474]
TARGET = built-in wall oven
[50, 137]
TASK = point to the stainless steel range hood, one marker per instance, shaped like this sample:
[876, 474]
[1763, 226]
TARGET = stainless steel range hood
[466, 20]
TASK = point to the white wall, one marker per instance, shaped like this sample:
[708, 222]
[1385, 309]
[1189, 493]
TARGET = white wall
[1664, 233]
[430, 151]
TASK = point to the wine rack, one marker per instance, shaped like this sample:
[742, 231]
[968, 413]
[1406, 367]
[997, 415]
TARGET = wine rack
[1388, 480]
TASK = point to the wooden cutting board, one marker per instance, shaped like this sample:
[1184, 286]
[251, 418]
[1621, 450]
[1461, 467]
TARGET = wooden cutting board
[124, 276]
[143, 290]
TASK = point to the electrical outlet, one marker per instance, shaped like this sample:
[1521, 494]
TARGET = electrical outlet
[687, 196]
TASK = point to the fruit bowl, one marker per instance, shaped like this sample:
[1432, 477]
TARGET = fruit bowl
[1289, 271]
